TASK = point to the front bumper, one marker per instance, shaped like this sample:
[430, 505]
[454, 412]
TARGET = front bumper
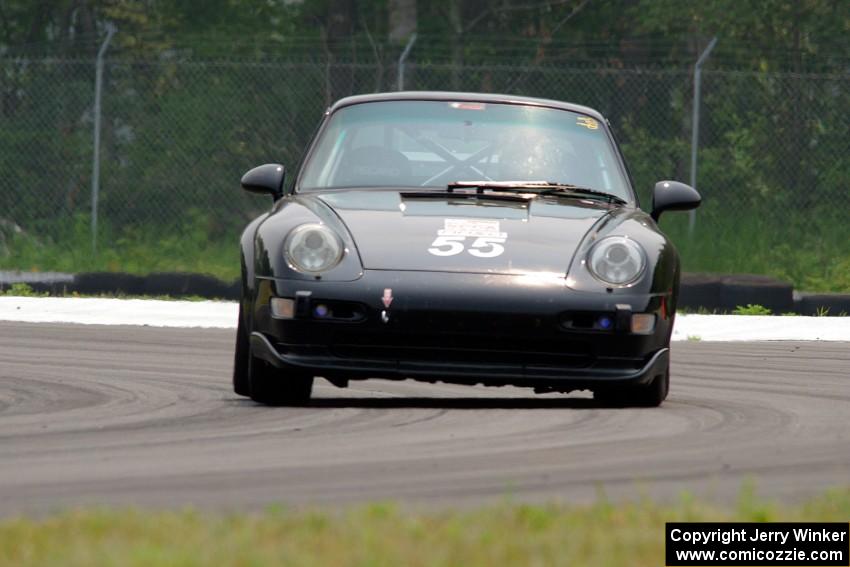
[463, 328]
[328, 365]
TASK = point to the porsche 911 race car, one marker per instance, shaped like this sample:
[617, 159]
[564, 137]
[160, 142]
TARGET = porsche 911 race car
[464, 238]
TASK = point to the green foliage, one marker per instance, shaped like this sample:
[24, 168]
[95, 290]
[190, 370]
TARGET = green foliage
[806, 248]
[751, 309]
[834, 274]
[651, 158]
[198, 92]
[195, 246]
[601, 534]
[765, 36]
[22, 290]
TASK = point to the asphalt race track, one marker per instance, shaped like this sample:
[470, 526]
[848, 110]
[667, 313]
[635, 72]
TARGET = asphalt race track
[144, 416]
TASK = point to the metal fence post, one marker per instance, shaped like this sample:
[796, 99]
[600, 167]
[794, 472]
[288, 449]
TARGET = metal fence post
[403, 59]
[95, 175]
[692, 216]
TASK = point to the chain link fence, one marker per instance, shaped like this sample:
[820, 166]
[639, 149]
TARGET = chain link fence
[774, 153]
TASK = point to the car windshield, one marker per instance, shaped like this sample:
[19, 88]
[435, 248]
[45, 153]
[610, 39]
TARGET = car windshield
[434, 143]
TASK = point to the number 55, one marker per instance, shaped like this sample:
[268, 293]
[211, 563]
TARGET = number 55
[487, 247]
[454, 243]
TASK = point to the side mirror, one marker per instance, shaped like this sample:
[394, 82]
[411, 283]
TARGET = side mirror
[673, 196]
[266, 178]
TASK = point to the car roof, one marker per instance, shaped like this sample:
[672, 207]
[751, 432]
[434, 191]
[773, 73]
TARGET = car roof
[464, 97]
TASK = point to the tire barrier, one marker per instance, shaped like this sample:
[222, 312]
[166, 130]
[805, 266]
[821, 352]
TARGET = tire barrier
[747, 289]
[722, 293]
[700, 292]
[173, 284]
[822, 304]
[95, 283]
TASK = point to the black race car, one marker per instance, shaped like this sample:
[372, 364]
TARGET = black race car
[464, 238]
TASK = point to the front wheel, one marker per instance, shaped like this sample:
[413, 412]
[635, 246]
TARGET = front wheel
[649, 396]
[275, 387]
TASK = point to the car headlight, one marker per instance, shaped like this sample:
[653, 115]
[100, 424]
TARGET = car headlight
[616, 260]
[313, 248]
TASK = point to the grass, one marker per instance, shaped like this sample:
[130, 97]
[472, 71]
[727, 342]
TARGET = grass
[26, 290]
[751, 309]
[22, 290]
[824, 312]
[383, 534]
[808, 249]
[197, 246]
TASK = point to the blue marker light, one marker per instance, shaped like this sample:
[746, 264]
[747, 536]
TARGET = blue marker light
[605, 322]
[321, 311]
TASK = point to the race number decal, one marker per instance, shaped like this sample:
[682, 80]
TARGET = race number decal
[447, 245]
[484, 238]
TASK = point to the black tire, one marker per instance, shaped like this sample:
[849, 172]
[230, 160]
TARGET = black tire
[275, 387]
[241, 382]
[649, 396]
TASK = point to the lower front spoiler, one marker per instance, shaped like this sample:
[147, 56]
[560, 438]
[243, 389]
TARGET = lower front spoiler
[593, 378]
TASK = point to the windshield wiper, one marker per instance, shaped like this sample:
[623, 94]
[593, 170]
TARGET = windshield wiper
[513, 197]
[537, 187]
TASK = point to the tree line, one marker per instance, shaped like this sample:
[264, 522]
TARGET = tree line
[789, 35]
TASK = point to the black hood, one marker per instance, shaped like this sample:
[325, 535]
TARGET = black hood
[398, 231]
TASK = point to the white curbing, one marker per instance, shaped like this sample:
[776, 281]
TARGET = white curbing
[223, 314]
[104, 311]
[760, 328]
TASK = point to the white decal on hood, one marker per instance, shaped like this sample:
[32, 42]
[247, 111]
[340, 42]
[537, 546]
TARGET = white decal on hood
[471, 227]
[451, 239]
